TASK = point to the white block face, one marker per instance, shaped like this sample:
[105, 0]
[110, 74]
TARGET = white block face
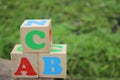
[36, 23]
[36, 35]
[23, 65]
[53, 64]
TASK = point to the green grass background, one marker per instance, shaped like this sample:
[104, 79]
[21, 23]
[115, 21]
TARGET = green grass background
[90, 28]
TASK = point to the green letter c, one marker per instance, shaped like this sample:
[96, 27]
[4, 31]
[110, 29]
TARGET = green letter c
[30, 42]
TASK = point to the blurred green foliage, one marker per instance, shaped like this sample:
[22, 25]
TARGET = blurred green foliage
[90, 28]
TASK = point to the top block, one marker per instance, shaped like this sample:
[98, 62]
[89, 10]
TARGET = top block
[36, 35]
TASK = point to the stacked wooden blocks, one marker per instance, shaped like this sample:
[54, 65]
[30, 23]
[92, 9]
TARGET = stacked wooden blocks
[37, 56]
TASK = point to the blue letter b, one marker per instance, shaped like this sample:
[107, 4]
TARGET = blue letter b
[52, 63]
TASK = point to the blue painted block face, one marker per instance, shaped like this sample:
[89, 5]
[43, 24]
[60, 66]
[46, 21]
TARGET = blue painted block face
[37, 22]
[52, 63]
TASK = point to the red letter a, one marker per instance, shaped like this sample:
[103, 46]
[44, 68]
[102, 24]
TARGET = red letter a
[25, 66]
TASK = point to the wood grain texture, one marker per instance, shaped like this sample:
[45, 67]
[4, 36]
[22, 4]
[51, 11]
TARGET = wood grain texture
[46, 29]
[31, 63]
[57, 51]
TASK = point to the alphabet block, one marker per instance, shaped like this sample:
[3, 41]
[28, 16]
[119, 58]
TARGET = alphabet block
[36, 35]
[53, 64]
[23, 65]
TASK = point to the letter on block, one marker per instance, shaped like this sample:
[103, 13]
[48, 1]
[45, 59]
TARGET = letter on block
[23, 65]
[36, 35]
[54, 64]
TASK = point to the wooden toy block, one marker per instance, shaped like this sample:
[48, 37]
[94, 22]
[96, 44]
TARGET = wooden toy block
[53, 65]
[36, 35]
[23, 65]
